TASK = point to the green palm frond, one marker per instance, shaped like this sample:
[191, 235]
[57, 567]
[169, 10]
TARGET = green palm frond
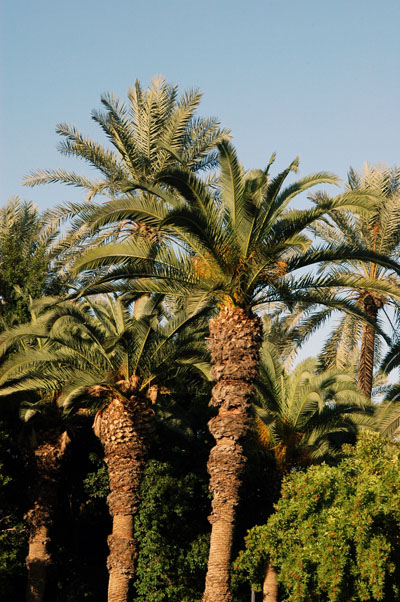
[83, 147]
[304, 412]
[344, 252]
[341, 348]
[392, 358]
[53, 176]
[231, 182]
[388, 414]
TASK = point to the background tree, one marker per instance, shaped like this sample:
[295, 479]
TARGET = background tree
[154, 130]
[26, 259]
[42, 445]
[13, 534]
[305, 417]
[379, 231]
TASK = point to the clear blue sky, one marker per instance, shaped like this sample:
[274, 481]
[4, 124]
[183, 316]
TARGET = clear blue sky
[319, 79]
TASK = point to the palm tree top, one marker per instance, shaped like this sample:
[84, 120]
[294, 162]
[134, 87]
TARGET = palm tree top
[99, 347]
[144, 135]
[238, 242]
[303, 415]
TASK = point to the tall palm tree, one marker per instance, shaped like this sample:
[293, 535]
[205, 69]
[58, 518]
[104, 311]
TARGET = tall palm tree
[156, 129]
[99, 351]
[377, 230]
[237, 248]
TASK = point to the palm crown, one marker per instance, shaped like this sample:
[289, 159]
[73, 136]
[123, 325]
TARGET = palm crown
[304, 417]
[145, 135]
[239, 244]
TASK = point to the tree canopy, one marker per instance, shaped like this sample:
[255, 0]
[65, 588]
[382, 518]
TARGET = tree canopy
[335, 534]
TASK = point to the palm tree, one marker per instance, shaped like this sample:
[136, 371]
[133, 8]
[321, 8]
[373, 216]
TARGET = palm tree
[156, 129]
[44, 441]
[237, 248]
[377, 230]
[99, 351]
[305, 416]
[27, 253]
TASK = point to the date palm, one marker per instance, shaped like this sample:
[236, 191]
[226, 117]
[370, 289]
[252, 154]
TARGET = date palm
[27, 254]
[238, 247]
[379, 231]
[43, 442]
[99, 354]
[146, 135]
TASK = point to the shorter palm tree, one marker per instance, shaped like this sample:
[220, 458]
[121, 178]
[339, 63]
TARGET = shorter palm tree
[304, 417]
[97, 355]
[44, 440]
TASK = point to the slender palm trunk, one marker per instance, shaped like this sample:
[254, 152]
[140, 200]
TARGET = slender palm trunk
[44, 463]
[125, 432]
[366, 365]
[270, 585]
[235, 338]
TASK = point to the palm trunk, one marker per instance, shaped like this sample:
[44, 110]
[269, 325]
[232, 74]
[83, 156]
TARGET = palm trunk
[45, 466]
[125, 432]
[37, 562]
[235, 338]
[270, 585]
[366, 365]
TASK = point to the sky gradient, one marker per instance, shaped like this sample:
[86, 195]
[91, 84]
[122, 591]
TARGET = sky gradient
[315, 79]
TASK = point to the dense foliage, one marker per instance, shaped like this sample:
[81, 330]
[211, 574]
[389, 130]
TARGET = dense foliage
[172, 528]
[13, 534]
[335, 534]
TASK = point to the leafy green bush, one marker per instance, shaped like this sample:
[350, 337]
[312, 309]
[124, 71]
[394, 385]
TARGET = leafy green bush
[335, 536]
[13, 535]
[172, 529]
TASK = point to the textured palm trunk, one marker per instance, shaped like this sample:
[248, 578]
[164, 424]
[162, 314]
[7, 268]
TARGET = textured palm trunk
[366, 365]
[235, 339]
[37, 562]
[125, 432]
[44, 463]
[270, 585]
